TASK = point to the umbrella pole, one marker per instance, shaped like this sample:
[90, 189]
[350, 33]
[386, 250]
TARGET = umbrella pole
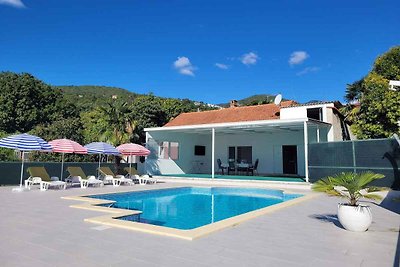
[22, 169]
[130, 163]
[98, 170]
[62, 166]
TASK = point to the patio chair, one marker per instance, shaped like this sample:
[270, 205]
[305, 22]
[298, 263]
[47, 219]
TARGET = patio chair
[109, 176]
[145, 179]
[253, 169]
[39, 175]
[221, 166]
[231, 167]
[77, 176]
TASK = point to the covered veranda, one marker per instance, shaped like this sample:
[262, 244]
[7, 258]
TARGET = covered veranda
[278, 145]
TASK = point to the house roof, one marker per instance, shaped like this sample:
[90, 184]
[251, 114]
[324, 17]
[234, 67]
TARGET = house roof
[337, 104]
[232, 114]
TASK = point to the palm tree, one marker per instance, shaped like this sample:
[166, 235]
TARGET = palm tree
[120, 126]
[354, 185]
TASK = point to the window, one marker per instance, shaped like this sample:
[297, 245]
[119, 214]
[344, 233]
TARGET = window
[169, 150]
[164, 150]
[245, 154]
[314, 113]
[232, 153]
[174, 150]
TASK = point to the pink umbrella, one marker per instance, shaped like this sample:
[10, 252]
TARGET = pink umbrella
[131, 149]
[66, 146]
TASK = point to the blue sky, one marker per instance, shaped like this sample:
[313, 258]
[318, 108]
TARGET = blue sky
[208, 50]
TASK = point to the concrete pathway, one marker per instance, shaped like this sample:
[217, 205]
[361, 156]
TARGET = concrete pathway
[40, 229]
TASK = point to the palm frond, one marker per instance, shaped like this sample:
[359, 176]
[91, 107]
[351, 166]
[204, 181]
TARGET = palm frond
[350, 185]
[373, 196]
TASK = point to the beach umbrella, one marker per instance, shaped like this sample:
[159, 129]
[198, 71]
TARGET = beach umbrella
[23, 143]
[101, 148]
[66, 146]
[131, 149]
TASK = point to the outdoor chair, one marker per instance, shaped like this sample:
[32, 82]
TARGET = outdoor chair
[133, 174]
[231, 167]
[144, 179]
[109, 176]
[253, 169]
[39, 175]
[77, 176]
[221, 166]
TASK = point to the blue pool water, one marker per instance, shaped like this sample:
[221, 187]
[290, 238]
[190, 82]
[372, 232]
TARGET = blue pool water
[191, 207]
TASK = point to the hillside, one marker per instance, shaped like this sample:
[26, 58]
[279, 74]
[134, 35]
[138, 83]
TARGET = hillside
[254, 100]
[95, 90]
[86, 97]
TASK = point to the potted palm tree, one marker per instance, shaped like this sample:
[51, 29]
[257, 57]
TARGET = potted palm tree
[353, 186]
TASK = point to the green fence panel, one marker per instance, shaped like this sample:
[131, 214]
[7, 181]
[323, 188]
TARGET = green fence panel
[376, 155]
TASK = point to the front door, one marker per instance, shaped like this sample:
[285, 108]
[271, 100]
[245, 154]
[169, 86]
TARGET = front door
[289, 156]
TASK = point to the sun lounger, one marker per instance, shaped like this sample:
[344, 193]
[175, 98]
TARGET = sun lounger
[144, 179]
[39, 175]
[77, 176]
[109, 176]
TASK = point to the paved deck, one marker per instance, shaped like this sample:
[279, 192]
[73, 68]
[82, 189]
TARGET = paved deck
[40, 229]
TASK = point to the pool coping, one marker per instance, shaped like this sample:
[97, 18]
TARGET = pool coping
[110, 219]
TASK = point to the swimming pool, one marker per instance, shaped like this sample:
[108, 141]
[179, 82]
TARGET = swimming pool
[188, 208]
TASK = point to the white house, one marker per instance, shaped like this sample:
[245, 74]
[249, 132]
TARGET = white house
[278, 136]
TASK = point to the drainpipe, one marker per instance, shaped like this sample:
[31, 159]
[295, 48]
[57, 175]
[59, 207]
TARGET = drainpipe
[306, 149]
[212, 152]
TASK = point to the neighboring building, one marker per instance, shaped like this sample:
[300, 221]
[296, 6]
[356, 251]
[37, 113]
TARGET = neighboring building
[276, 135]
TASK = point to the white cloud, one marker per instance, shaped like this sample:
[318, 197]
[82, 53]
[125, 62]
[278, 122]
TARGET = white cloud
[249, 58]
[298, 57]
[13, 3]
[184, 66]
[308, 70]
[221, 66]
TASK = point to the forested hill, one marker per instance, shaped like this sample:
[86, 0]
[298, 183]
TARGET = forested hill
[86, 97]
[254, 100]
[93, 94]
[95, 90]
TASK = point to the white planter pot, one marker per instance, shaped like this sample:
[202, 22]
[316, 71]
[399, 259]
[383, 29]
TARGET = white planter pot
[355, 218]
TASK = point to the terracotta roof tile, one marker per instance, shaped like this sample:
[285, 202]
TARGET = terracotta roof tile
[233, 114]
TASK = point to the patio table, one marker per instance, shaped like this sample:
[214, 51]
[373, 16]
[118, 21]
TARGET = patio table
[243, 167]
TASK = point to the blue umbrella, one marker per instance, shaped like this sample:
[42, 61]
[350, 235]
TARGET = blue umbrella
[101, 148]
[24, 142]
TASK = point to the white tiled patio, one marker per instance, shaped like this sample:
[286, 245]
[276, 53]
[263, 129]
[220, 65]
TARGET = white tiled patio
[40, 229]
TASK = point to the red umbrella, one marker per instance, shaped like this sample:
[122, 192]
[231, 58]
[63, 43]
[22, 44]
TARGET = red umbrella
[66, 146]
[131, 149]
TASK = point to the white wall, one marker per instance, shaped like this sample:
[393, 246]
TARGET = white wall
[187, 162]
[335, 132]
[267, 147]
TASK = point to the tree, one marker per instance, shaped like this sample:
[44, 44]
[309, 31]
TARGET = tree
[70, 128]
[24, 102]
[147, 111]
[378, 112]
[112, 123]
[5, 153]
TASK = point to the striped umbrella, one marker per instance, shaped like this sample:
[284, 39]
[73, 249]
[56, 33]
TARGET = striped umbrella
[24, 142]
[66, 146]
[131, 149]
[101, 148]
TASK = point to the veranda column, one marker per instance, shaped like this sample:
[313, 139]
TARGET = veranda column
[306, 149]
[147, 146]
[212, 153]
